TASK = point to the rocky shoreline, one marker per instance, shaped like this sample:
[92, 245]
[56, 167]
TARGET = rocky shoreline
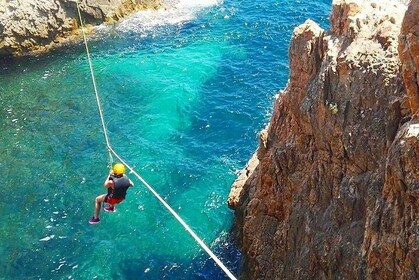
[36, 26]
[332, 191]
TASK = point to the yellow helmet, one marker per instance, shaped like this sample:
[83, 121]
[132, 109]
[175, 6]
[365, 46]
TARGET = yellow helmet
[118, 169]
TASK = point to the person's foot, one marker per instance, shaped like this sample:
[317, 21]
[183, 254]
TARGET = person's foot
[109, 209]
[93, 221]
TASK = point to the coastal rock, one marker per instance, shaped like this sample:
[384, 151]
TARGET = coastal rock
[36, 25]
[332, 191]
[409, 54]
[391, 242]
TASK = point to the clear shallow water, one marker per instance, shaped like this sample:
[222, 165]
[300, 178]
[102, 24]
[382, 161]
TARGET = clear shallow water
[185, 93]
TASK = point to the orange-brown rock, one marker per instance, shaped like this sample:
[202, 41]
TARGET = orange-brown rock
[409, 54]
[332, 191]
[391, 242]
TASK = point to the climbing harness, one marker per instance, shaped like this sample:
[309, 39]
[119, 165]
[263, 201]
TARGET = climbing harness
[113, 153]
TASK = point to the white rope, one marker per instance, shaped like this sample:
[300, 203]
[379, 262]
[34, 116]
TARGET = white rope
[108, 145]
[180, 220]
[111, 151]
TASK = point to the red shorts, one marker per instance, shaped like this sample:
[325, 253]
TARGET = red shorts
[113, 200]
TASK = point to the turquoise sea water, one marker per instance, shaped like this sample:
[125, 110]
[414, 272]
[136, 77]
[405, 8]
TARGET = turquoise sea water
[184, 94]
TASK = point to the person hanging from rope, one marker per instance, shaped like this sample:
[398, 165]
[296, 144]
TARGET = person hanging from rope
[117, 184]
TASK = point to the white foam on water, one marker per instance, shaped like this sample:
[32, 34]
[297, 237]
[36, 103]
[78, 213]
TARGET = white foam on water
[47, 238]
[177, 12]
[197, 3]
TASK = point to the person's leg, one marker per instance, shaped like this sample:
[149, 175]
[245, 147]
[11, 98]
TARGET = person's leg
[112, 203]
[98, 204]
[110, 208]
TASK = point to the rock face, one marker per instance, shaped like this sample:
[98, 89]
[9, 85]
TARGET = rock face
[391, 243]
[332, 192]
[409, 53]
[32, 26]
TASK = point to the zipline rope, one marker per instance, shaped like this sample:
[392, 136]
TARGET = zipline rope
[99, 106]
[180, 220]
[112, 152]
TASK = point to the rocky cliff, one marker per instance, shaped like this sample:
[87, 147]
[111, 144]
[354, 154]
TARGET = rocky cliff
[30, 26]
[332, 191]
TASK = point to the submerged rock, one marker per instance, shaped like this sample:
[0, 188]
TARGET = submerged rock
[332, 192]
[33, 26]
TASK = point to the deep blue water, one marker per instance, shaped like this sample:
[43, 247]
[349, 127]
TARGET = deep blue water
[185, 93]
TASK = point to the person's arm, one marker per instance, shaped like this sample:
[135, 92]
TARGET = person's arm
[108, 182]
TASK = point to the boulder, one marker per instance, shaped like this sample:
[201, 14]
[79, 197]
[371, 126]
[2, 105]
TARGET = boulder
[34, 26]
